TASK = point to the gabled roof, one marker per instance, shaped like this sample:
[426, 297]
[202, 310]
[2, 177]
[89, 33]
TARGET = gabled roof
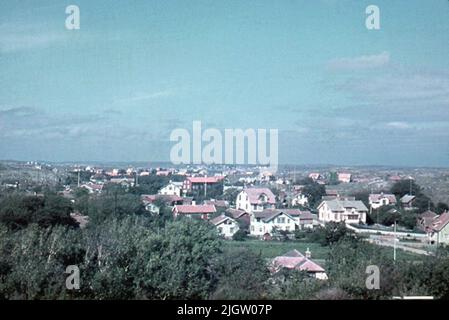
[296, 260]
[220, 219]
[342, 205]
[376, 197]
[217, 203]
[428, 214]
[192, 209]
[269, 214]
[254, 195]
[236, 213]
[150, 198]
[407, 198]
[441, 221]
[205, 179]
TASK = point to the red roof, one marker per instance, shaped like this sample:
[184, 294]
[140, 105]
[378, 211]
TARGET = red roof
[254, 195]
[153, 197]
[441, 221]
[192, 209]
[205, 179]
[296, 260]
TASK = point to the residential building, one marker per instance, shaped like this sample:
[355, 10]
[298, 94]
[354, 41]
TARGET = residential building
[222, 204]
[304, 218]
[239, 215]
[425, 221]
[407, 202]
[225, 225]
[152, 202]
[337, 210]
[255, 200]
[267, 221]
[295, 260]
[315, 176]
[438, 230]
[344, 177]
[299, 199]
[172, 189]
[194, 211]
[377, 200]
[201, 184]
[92, 187]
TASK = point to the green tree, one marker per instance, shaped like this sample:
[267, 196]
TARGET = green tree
[242, 274]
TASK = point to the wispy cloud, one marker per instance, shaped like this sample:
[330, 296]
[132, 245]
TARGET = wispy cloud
[33, 124]
[361, 62]
[141, 97]
[399, 125]
[17, 42]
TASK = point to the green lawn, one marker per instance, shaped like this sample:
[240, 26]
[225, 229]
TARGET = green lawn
[271, 249]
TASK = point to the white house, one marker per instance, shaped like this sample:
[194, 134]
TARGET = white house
[255, 200]
[225, 225]
[92, 187]
[440, 229]
[377, 200]
[344, 177]
[303, 218]
[262, 223]
[349, 211]
[300, 199]
[172, 189]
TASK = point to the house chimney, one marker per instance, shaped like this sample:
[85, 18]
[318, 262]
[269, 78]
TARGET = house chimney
[193, 203]
[308, 254]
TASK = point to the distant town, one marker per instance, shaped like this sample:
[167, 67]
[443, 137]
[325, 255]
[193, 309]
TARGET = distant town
[402, 211]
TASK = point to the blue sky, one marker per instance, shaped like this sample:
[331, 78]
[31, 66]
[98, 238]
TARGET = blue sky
[136, 70]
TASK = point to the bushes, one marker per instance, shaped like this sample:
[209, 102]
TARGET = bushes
[18, 211]
[331, 233]
[242, 274]
[119, 259]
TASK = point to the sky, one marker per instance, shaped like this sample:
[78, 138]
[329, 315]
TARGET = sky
[135, 70]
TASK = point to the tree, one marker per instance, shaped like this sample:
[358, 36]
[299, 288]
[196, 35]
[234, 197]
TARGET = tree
[334, 232]
[441, 207]
[18, 211]
[240, 235]
[313, 191]
[297, 285]
[242, 274]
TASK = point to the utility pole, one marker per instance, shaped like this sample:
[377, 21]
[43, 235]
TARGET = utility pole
[79, 177]
[394, 244]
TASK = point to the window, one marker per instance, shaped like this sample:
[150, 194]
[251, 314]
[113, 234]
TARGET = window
[281, 220]
[231, 229]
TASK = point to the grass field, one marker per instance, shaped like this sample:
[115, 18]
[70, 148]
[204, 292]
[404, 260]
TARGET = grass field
[271, 249]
